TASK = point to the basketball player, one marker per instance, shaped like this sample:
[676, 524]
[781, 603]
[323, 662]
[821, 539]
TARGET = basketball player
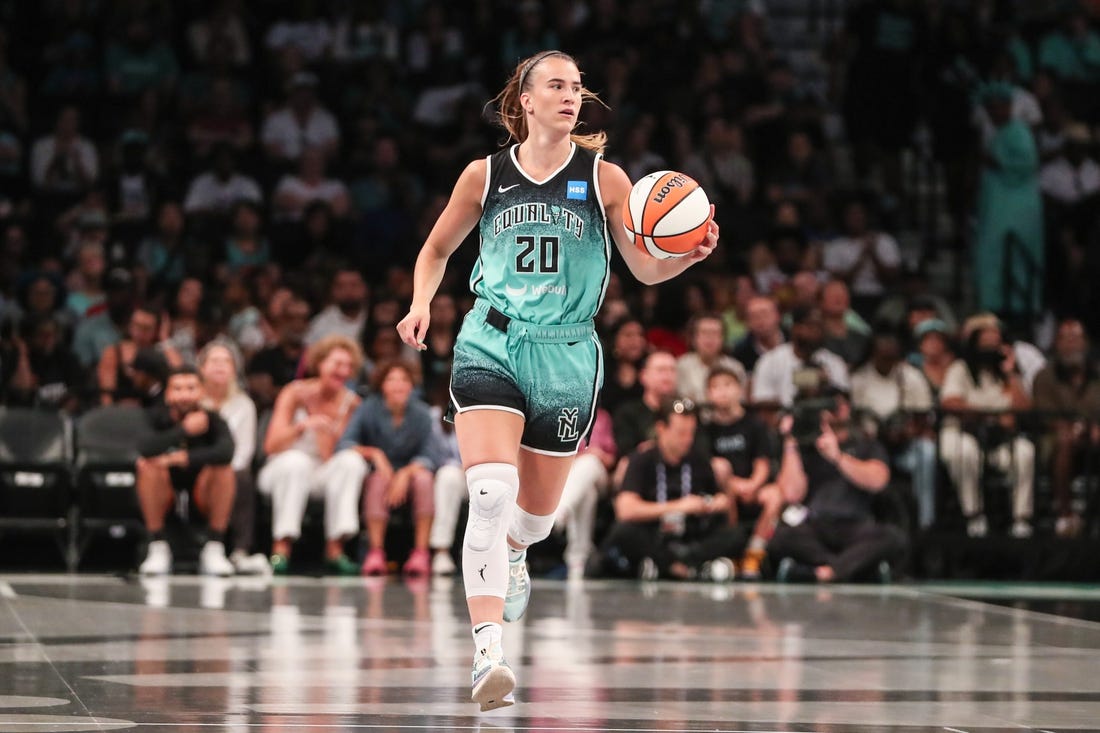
[527, 362]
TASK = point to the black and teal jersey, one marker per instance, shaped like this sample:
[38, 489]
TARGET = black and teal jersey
[545, 251]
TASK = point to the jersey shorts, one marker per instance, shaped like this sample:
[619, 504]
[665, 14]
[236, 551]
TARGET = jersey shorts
[549, 375]
[184, 478]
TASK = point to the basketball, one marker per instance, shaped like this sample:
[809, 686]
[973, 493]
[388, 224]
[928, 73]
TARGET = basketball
[666, 213]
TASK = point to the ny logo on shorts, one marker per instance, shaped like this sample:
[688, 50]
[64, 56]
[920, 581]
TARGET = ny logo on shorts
[567, 424]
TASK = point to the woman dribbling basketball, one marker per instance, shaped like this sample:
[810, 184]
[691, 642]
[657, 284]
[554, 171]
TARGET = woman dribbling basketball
[527, 362]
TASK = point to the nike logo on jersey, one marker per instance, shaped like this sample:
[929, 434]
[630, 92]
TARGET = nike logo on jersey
[515, 292]
[502, 189]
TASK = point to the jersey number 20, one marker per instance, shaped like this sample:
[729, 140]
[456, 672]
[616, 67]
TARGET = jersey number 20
[545, 261]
